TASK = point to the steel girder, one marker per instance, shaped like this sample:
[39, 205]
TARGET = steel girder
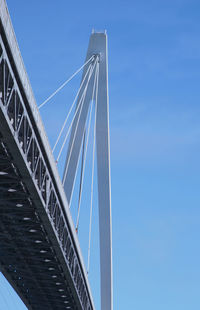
[37, 252]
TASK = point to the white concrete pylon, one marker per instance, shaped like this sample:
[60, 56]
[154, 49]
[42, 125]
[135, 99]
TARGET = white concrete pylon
[98, 47]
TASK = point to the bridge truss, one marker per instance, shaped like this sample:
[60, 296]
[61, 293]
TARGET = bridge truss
[39, 250]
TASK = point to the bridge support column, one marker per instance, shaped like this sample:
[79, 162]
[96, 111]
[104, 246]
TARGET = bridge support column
[97, 46]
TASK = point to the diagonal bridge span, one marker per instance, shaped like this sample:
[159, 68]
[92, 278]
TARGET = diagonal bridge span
[39, 250]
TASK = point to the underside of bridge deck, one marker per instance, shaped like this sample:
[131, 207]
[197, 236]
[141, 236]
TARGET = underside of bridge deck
[27, 257]
[39, 254]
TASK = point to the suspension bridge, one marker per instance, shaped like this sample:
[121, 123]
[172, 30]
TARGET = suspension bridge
[40, 255]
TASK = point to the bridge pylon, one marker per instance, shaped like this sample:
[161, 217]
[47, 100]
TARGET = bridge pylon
[97, 48]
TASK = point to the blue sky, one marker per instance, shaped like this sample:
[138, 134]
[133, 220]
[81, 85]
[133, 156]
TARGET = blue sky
[154, 74]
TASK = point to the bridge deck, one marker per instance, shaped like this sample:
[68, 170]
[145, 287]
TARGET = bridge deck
[28, 258]
[39, 250]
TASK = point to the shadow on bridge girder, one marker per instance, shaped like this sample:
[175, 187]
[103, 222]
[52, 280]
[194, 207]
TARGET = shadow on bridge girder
[27, 257]
[38, 254]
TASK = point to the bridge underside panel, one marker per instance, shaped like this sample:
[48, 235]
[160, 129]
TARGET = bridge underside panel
[38, 254]
[26, 255]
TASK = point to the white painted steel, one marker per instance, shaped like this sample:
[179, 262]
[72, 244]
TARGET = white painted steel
[97, 46]
[104, 181]
[11, 38]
